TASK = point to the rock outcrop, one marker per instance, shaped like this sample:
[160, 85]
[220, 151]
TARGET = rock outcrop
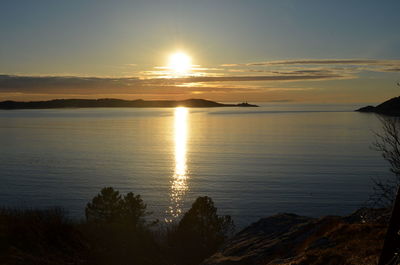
[291, 239]
[390, 107]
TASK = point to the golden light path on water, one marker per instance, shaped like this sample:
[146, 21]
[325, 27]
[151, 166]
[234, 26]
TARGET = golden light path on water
[179, 184]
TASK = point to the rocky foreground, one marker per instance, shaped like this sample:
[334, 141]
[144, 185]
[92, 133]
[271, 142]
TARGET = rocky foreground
[297, 240]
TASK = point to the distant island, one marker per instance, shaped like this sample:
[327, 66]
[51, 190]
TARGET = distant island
[116, 103]
[390, 107]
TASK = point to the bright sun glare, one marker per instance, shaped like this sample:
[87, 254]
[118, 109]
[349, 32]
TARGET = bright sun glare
[179, 63]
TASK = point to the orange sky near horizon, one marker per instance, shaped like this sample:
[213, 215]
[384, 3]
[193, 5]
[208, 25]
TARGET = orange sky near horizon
[302, 81]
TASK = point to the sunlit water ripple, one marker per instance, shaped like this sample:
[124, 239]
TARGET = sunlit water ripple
[306, 159]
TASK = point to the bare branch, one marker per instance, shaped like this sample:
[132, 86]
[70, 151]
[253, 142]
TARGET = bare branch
[388, 143]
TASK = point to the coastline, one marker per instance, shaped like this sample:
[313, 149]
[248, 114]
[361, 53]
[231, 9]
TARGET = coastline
[116, 103]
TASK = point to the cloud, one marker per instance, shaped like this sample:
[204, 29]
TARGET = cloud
[325, 61]
[75, 84]
[336, 68]
[234, 64]
[26, 82]
[338, 62]
[278, 77]
[320, 62]
[261, 77]
[395, 69]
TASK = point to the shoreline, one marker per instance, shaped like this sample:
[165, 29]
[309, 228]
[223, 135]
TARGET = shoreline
[115, 103]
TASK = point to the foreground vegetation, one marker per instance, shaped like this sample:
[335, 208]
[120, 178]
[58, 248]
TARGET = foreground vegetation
[115, 232]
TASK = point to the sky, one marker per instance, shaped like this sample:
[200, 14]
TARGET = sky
[300, 51]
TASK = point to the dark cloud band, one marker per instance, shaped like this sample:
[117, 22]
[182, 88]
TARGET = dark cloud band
[50, 84]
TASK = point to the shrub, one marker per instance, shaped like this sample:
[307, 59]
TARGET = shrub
[117, 231]
[200, 232]
[106, 207]
[110, 207]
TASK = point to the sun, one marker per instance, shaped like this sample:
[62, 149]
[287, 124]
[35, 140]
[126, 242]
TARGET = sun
[179, 63]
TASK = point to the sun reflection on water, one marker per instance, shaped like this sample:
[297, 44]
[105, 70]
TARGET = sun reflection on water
[179, 180]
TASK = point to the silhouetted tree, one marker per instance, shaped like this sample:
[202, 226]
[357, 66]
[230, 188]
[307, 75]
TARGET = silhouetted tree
[117, 230]
[200, 232]
[388, 143]
[110, 207]
[106, 207]
[133, 209]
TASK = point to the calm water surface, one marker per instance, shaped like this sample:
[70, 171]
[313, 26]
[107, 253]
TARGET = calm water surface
[306, 159]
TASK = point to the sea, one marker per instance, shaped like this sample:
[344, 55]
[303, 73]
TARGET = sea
[307, 159]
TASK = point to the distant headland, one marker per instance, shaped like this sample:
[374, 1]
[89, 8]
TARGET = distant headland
[116, 103]
[390, 107]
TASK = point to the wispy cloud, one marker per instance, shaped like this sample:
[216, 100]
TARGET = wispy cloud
[319, 62]
[11, 82]
[390, 69]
